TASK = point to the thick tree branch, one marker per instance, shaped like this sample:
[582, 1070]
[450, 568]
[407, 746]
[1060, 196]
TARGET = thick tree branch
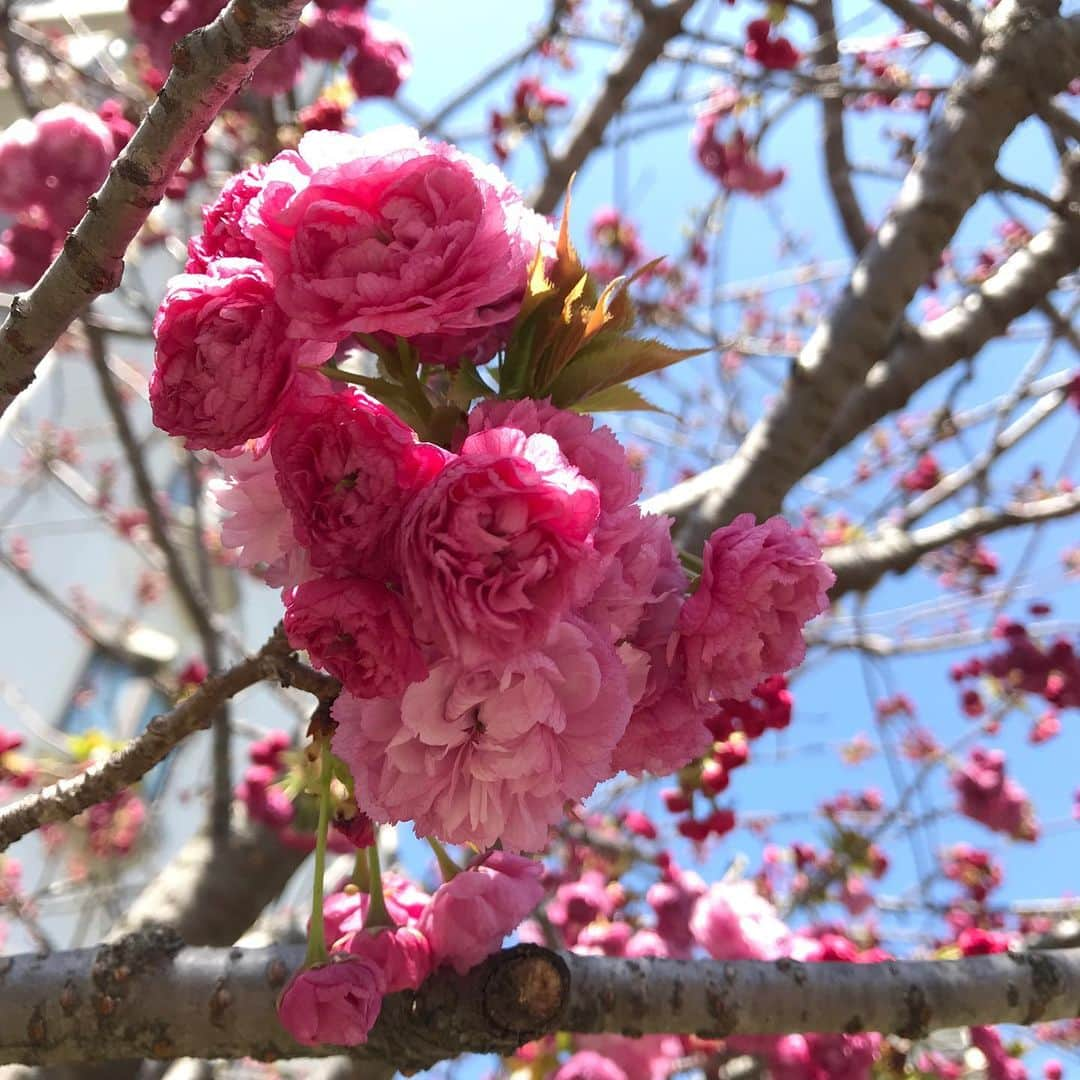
[1018, 286]
[859, 566]
[660, 23]
[65, 799]
[920, 355]
[148, 996]
[209, 66]
[1027, 60]
[211, 893]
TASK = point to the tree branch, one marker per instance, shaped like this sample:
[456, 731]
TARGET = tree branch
[209, 66]
[1017, 287]
[837, 164]
[148, 996]
[65, 799]
[859, 566]
[660, 23]
[1027, 59]
[920, 18]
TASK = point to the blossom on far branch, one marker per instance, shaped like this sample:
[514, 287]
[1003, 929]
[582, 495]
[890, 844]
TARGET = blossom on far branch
[733, 159]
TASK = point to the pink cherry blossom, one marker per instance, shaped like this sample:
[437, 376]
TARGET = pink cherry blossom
[222, 365]
[589, 1065]
[403, 954]
[72, 151]
[257, 526]
[649, 1057]
[344, 912]
[20, 182]
[470, 914]
[358, 630]
[494, 551]
[578, 903]
[641, 572]
[336, 1003]
[391, 233]
[346, 467]
[732, 921]
[674, 900]
[593, 451]
[988, 796]
[667, 729]
[381, 63]
[759, 585]
[222, 235]
[475, 755]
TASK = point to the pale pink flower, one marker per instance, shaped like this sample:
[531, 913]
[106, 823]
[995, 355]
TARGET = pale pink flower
[346, 467]
[358, 630]
[476, 755]
[471, 914]
[733, 921]
[222, 365]
[759, 585]
[381, 63]
[605, 939]
[494, 551]
[257, 526]
[390, 233]
[336, 1003]
[649, 1057]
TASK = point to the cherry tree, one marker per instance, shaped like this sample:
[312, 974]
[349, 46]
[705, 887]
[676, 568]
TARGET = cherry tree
[491, 524]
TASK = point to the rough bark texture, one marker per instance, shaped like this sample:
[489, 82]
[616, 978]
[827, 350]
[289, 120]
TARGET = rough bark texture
[209, 66]
[1029, 55]
[149, 996]
[212, 892]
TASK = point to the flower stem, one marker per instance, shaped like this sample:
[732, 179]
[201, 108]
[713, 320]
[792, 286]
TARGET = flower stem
[447, 867]
[377, 914]
[316, 950]
[361, 877]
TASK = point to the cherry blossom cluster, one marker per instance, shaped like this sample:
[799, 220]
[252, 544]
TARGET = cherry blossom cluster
[376, 56]
[989, 796]
[1024, 666]
[683, 918]
[49, 166]
[272, 793]
[508, 627]
[531, 101]
[733, 726]
[392, 937]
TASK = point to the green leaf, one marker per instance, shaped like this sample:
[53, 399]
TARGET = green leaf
[466, 385]
[621, 398]
[612, 360]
